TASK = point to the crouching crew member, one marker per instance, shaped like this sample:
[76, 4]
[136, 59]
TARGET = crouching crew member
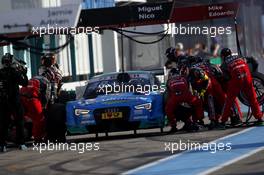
[178, 93]
[204, 80]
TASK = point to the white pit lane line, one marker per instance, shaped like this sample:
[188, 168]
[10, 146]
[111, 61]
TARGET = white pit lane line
[177, 164]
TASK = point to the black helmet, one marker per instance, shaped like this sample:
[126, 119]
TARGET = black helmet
[197, 73]
[183, 60]
[225, 52]
[47, 61]
[170, 52]
[7, 59]
[198, 79]
[198, 59]
[174, 71]
[194, 59]
[191, 60]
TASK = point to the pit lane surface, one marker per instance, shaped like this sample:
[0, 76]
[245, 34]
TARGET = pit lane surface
[204, 161]
[118, 153]
[252, 165]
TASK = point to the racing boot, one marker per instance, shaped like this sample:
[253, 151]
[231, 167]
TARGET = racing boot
[3, 149]
[259, 122]
[201, 123]
[173, 129]
[236, 121]
[190, 127]
[195, 127]
[221, 126]
[186, 126]
[22, 147]
[212, 124]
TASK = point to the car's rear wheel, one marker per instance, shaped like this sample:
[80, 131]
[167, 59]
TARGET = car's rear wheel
[258, 83]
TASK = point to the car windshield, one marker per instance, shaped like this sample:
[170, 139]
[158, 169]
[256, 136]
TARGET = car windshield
[105, 87]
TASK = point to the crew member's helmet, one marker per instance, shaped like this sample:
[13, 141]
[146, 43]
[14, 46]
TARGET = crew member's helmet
[46, 60]
[194, 59]
[183, 61]
[198, 79]
[197, 73]
[225, 52]
[179, 46]
[174, 71]
[7, 59]
[170, 52]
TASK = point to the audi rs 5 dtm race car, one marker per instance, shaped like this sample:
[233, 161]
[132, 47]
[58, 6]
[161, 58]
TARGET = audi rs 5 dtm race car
[117, 102]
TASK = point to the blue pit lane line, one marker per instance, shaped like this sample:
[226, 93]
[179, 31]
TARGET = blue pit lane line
[243, 144]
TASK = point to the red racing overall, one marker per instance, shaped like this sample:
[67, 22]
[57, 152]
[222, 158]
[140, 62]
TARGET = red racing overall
[33, 108]
[215, 92]
[179, 92]
[240, 80]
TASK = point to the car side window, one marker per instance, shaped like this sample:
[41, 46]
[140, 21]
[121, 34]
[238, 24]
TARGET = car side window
[157, 81]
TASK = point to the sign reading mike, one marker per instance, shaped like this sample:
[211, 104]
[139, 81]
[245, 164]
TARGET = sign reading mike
[219, 10]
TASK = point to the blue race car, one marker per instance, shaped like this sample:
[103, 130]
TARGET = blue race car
[118, 102]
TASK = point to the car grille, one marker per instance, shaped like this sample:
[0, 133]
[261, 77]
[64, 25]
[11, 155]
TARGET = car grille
[115, 124]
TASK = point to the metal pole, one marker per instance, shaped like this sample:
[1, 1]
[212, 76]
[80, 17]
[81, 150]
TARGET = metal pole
[122, 51]
[73, 60]
[91, 55]
[172, 9]
[237, 40]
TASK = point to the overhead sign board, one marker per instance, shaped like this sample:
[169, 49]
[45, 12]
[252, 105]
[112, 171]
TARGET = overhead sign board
[22, 20]
[206, 12]
[125, 16]
[154, 13]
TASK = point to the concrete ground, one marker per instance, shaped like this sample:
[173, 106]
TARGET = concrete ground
[118, 153]
[253, 165]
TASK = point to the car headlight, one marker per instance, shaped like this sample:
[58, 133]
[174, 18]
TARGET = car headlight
[144, 106]
[79, 112]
